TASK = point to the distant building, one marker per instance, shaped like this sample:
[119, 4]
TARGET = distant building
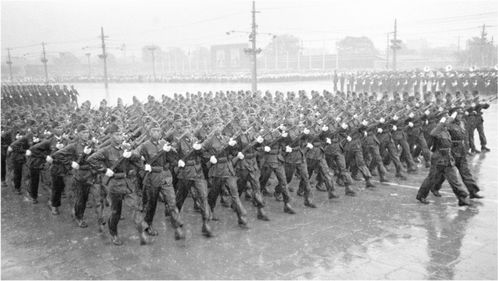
[229, 57]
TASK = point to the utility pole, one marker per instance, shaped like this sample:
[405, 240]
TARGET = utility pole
[104, 57]
[44, 61]
[483, 43]
[152, 49]
[9, 62]
[254, 51]
[89, 65]
[387, 52]
[394, 49]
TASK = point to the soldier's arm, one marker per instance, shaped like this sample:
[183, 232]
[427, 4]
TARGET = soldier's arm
[41, 149]
[98, 160]
[65, 155]
[438, 129]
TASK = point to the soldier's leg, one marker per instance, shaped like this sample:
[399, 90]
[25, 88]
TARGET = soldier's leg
[265, 176]
[304, 183]
[256, 194]
[214, 191]
[3, 164]
[471, 130]
[152, 193]
[436, 175]
[116, 200]
[133, 201]
[99, 194]
[451, 174]
[18, 166]
[171, 210]
[282, 186]
[377, 162]
[482, 136]
[422, 144]
[467, 178]
[405, 151]
[340, 162]
[393, 155]
[81, 197]
[231, 185]
[182, 192]
[57, 187]
[34, 183]
[324, 172]
[199, 190]
[360, 164]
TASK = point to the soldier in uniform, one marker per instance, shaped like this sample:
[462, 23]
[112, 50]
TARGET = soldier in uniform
[117, 160]
[158, 156]
[443, 164]
[17, 152]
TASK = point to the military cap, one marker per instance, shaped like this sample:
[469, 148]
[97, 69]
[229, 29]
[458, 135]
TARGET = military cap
[81, 127]
[112, 128]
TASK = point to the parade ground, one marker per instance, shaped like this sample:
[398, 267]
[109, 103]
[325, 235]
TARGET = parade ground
[384, 233]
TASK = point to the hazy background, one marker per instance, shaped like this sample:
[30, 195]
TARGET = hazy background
[183, 33]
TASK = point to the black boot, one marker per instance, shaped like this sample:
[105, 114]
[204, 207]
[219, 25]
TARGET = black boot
[485, 149]
[179, 234]
[151, 231]
[320, 187]
[308, 203]
[332, 195]
[278, 196]
[261, 215]
[464, 201]
[350, 191]
[475, 196]
[288, 209]
[400, 176]
[436, 193]
[383, 178]
[116, 240]
[242, 221]
[422, 200]
[369, 184]
[206, 230]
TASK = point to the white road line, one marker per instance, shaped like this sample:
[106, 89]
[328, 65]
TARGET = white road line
[444, 192]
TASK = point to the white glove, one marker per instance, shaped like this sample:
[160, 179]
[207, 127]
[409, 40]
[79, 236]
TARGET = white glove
[349, 138]
[473, 104]
[18, 136]
[49, 159]
[288, 149]
[281, 127]
[411, 115]
[167, 147]
[395, 117]
[466, 113]
[94, 140]
[9, 149]
[379, 130]
[267, 149]
[417, 104]
[240, 155]
[355, 116]
[197, 146]
[382, 120]
[365, 133]
[443, 120]
[344, 126]
[454, 115]
[440, 109]
[148, 168]
[306, 131]
[35, 140]
[328, 140]
[309, 145]
[232, 142]
[109, 173]
[259, 139]
[127, 154]
[59, 145]
[410, 124]
[28, 152]
[75, 165]
[337, 119]
[325, 128]
[181, 164]
[87, 150]
[427, 112]
[284, 134]
[364, 122]
[395, 127]
[213, 159]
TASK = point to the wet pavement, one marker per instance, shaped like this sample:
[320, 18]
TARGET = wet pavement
[380, 234]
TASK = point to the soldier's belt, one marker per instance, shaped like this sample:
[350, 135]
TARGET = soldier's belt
[157, 169]
[249, 155]
[295, 147]
[191, 163]
[118, 176]
[222, 160]
[85, 167]
[273, 152]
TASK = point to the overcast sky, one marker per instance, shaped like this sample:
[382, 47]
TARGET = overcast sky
[71, 25]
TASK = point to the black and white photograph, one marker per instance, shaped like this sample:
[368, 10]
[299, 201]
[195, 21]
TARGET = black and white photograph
[249, 140]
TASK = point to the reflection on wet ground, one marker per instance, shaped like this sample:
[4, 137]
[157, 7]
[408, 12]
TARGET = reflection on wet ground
[381, 234]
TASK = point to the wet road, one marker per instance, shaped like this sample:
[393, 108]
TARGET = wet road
[381, 234]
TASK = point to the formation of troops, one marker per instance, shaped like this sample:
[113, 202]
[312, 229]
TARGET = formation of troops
[225, 146]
